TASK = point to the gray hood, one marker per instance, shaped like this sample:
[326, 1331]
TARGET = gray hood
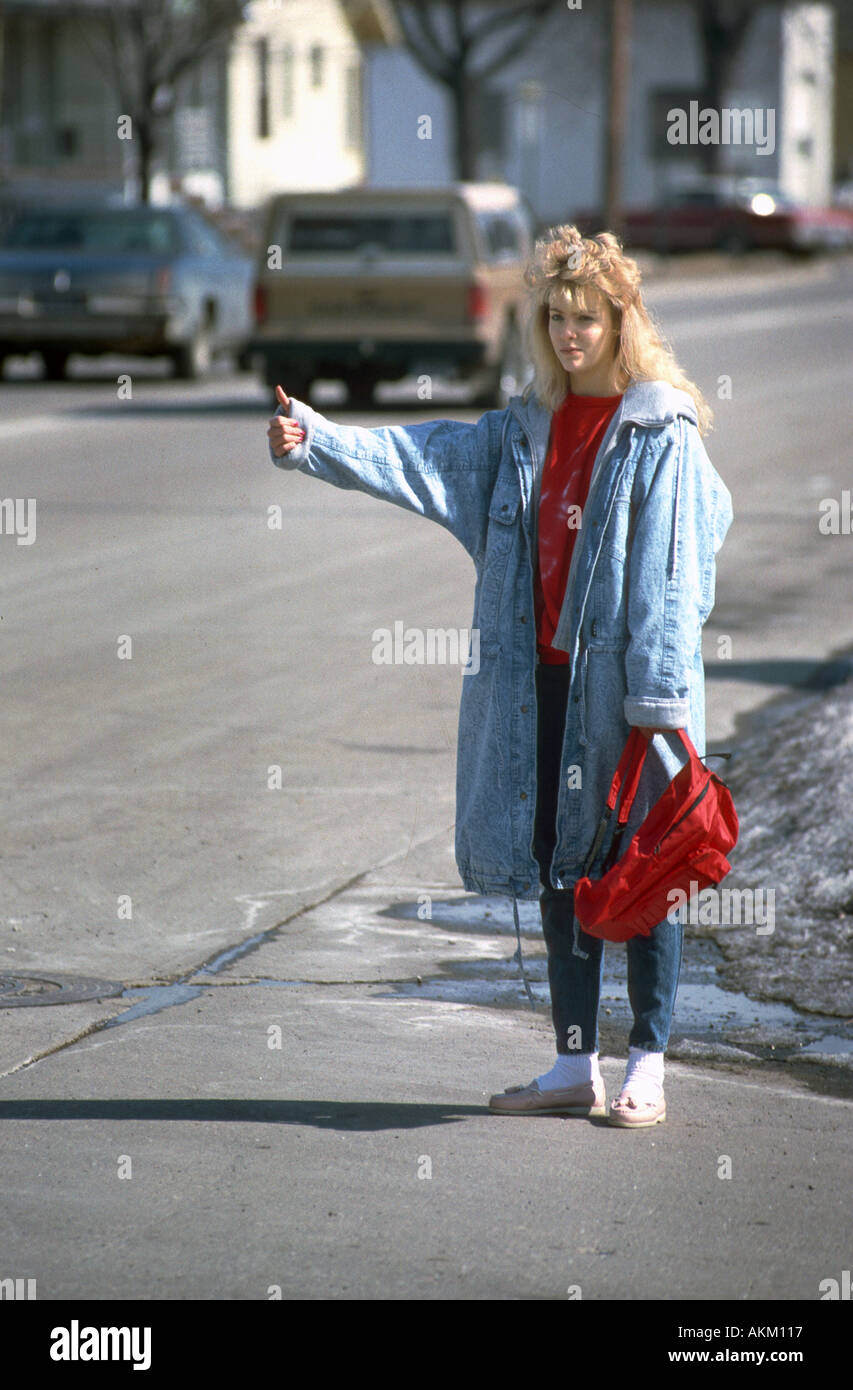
[644, 403]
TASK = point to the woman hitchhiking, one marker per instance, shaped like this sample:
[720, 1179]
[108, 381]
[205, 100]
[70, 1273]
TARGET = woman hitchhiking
[593, 516]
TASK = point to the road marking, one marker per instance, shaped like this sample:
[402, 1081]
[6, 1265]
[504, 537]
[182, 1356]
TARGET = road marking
[35, 425]
[686, 1070]
[760, 320]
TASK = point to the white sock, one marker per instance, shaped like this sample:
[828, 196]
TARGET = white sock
[644, 1074]
[570, 1069]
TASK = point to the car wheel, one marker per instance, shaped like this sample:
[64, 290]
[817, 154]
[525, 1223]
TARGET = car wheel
[193, 359]
[55, 363]
[733, 243]
[361, 387]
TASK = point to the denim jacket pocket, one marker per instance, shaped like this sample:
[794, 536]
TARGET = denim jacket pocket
[500, 538]
[617, 534]
[504, 505]
[606, 619]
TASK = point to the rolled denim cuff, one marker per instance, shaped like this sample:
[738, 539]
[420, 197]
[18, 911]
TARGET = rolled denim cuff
[657, 714]
[304, 416]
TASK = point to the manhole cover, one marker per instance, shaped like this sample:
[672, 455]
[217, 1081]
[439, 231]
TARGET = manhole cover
[30, 991]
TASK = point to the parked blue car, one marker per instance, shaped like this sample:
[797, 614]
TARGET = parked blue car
[143, 280]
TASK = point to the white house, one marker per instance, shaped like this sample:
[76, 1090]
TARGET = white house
[293, 100]
[314, 94]
[542, 126]
[280, 107]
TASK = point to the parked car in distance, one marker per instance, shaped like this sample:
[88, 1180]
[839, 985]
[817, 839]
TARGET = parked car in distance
[141, 280]
[735, 215]
[371, 284]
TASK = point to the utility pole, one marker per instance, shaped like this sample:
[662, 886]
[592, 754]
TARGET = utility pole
[5, 136]
[619, 89]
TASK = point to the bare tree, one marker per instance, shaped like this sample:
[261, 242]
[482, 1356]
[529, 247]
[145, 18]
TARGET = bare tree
[145, 47]
[453, 41]
[722, 27]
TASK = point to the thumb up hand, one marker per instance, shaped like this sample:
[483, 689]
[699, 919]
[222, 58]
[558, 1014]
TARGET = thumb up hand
[284, 434]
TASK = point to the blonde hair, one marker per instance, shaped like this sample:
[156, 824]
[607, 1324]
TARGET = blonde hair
[565, 266]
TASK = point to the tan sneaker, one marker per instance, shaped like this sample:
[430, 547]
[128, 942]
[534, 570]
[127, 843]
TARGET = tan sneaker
[588, 1099]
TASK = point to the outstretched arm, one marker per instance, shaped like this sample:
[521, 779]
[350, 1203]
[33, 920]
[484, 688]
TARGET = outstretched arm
[442, 469]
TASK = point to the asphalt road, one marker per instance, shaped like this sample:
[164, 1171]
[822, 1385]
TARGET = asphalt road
[142, 844]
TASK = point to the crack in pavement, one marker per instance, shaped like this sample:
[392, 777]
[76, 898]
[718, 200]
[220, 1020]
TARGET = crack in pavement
[180, 985]
[217, 962]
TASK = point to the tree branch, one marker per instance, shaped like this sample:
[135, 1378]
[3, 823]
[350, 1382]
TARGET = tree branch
[422, 16]
[422, 48]
[514, 46]
[506, 17]
[463, 40]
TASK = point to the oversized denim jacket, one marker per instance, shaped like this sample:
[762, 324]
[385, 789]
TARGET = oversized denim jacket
[640, 588]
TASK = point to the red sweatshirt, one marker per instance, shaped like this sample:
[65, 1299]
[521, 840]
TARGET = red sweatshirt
[577, 430]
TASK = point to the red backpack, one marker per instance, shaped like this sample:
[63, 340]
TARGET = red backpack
[682, 844]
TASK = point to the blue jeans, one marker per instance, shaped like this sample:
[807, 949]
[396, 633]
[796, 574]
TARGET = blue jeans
[575, 960]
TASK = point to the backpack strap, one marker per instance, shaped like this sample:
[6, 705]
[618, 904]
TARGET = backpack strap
[518, 956]
[626, 780]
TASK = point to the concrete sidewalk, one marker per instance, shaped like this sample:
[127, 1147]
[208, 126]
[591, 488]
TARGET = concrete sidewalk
[313, 1119]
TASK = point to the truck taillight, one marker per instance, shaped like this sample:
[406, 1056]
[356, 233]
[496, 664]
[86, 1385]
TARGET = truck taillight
[477, 306]
[163, 280]
[260, 304]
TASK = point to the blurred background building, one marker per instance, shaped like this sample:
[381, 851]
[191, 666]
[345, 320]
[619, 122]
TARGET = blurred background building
[326, 93]
[541, 122]
[275, 104]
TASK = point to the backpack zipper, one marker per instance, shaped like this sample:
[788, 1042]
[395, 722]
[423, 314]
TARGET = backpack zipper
[690, 808]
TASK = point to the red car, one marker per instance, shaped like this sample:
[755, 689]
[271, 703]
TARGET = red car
[731, 215]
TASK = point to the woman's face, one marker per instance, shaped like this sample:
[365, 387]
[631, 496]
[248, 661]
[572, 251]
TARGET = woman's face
[583, 338]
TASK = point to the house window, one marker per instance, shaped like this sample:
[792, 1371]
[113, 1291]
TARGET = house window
[316, 56]
[353, 134]
[287, 103]
[262, 56]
